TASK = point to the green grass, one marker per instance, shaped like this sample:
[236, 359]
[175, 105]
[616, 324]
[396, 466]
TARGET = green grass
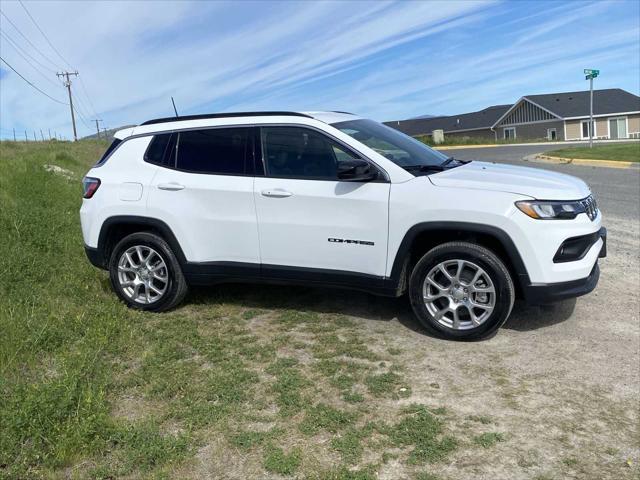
[488, 439]
[277, 461]
[628, 152]
[424, 432]
[93, 388]
[387, 384]
[450, 141]
[325, 417]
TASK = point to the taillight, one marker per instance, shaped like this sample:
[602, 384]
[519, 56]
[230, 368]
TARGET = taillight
[89, 186]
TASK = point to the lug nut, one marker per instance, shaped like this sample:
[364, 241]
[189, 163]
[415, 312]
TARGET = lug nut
[465, 299]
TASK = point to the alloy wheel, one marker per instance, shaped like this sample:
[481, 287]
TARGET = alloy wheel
[142, 274]
[459, 294]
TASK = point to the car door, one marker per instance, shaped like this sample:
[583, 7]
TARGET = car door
[204, 191]
[307, 218]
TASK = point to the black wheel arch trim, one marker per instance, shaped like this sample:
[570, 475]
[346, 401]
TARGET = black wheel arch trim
[465, 227]
[147, 222]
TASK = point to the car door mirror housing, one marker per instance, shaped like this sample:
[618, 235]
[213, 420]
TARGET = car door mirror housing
[356, 170]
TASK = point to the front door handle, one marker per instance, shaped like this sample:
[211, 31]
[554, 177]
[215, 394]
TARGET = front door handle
[276, 193]
[172, 187]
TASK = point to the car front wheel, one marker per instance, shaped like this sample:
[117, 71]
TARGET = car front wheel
[462, 291]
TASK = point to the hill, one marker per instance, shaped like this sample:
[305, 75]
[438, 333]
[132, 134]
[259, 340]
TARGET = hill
[110, 132]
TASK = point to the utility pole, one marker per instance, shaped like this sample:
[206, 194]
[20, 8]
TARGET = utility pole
[49, 133]
[97, 127]
[67, 83]
[14, 134]
[590, 74]
[25, 136]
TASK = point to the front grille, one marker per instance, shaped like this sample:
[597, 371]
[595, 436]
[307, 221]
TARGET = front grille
[590, 207]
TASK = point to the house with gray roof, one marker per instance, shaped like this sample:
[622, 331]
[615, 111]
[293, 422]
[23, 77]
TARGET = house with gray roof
[553, 116]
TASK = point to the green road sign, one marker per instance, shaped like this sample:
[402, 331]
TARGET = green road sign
[591, 72]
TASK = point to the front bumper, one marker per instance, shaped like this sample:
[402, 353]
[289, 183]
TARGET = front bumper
[539, 294]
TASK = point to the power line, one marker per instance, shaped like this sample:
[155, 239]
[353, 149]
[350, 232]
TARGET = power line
[81, 107]
[22, 53]
[20, 75]
[82, 117]
[84, 88]
[27, 40]
[78, 110]
[43, 34]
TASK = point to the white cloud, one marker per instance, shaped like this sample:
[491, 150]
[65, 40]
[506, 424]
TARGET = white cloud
[383, 59]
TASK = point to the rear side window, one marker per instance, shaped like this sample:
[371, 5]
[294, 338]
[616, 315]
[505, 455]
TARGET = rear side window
[112, 147]
[159, 151]
[224, 151]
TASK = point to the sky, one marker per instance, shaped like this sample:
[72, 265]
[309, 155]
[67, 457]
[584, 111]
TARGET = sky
[386, 60]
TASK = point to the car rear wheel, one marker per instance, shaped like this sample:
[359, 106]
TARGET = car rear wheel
[460, 290]
[145, 273]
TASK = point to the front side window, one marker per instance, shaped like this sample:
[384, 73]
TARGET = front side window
[509, 133]
[223, 151]
[401, 149]
[296, 152]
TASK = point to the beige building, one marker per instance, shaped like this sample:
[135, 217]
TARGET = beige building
[565, 116]
[552, 117]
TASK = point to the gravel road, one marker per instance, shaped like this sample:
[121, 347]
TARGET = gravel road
[561, 382]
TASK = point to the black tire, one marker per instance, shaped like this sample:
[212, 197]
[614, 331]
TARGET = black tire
[480, 256]
[176, 286]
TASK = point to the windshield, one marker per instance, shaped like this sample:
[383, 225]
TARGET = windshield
[401, 149]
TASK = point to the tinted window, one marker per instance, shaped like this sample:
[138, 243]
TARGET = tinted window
[396, 146]
[300, 153]
[158, 150]
[106, 154]
[216, 150]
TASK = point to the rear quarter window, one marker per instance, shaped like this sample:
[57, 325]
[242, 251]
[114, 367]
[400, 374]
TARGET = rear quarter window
[160, 149]
[108, 152]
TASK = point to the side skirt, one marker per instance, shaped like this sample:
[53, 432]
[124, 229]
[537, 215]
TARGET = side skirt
[212, 273]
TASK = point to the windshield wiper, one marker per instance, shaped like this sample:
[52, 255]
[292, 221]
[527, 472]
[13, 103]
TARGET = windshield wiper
[451, 159]
[423, 168]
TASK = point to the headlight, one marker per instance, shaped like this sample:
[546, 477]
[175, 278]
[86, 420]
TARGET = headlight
[558, 210]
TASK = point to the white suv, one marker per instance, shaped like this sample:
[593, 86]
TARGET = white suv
[333, 199]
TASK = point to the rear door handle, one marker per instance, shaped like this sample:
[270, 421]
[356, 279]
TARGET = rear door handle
[276, 193]
[172, 187]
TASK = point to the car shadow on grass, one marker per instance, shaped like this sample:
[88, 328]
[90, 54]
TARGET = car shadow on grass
[359, 304]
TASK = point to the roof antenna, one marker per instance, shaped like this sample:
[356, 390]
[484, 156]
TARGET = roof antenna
[174, 107]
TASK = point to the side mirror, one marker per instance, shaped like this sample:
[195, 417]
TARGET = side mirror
[356, 170]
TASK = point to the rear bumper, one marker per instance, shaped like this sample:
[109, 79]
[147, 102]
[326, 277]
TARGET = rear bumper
[95, 257]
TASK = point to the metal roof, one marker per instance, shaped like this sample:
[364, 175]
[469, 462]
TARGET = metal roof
[454, 123]
[576, 104]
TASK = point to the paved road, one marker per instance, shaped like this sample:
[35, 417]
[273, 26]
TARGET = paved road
[617, 189]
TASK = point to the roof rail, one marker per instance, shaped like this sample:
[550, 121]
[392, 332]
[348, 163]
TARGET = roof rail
[223, 115]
